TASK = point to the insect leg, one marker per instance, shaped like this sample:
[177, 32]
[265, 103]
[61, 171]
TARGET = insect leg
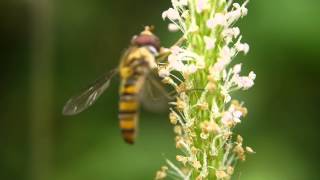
[179, 42]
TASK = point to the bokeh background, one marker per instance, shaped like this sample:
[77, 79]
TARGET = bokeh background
[49, 49]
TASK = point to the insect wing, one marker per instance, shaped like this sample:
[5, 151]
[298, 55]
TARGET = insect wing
[154, 96]
[87, 97]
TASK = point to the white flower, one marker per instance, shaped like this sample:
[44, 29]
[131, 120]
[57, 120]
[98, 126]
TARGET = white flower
[250, 150]
[231, 116]
[210, 42]
[242, 47]
[189, 69]
[235, 32]
[237, 69]
[225, 58]
[237, 12]
[185, 14]
[224, 75]
[227, 53]
[171, 13]
[231, 33]
[173, 27]
[236, 116]
[176, 50]
[179, 3]
[183, 2]
[252, 75]
[219, 67]
[193, 28]
[200, 62]
[215, 110]
[226, 95]
[244, 82]
[216, 70]
[185, 55]
[227, 98]
[243, 10]
[219, 19]
[177, 60]
[226, 118]
[164, 72]
[202, 5]
[210, 23]
[175, 63]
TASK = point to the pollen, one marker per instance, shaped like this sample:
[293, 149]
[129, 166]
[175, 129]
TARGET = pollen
[181, 88]
[230, 170]
[162, 173]
[196, 164]
[239, 139]
[178, 129]
[203, 106]
[173, 118]
[238, 149]
[239, 107]
[221, 174]
[179, 142]
[182, 159]
[212, 87]
[181, 105]
[204, 135]
[210, 127]
[194, 150]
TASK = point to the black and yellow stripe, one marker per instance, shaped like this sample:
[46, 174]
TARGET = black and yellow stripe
[128, 110]
[134, 68]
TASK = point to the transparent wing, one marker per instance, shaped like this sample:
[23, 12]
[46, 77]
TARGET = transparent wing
[87, 97]
[154, 96]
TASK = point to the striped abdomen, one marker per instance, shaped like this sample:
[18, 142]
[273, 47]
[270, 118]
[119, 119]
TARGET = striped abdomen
[128, 109]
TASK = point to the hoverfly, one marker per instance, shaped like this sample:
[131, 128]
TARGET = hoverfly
[135, 65]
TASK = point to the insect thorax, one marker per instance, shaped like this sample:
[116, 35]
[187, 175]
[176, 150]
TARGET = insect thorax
[139, 61]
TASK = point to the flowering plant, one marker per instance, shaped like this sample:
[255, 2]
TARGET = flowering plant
[201, 71]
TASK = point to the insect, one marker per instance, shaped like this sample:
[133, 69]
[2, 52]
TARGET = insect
[135, 65]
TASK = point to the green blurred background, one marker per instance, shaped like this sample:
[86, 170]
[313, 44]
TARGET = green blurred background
[49, 49]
